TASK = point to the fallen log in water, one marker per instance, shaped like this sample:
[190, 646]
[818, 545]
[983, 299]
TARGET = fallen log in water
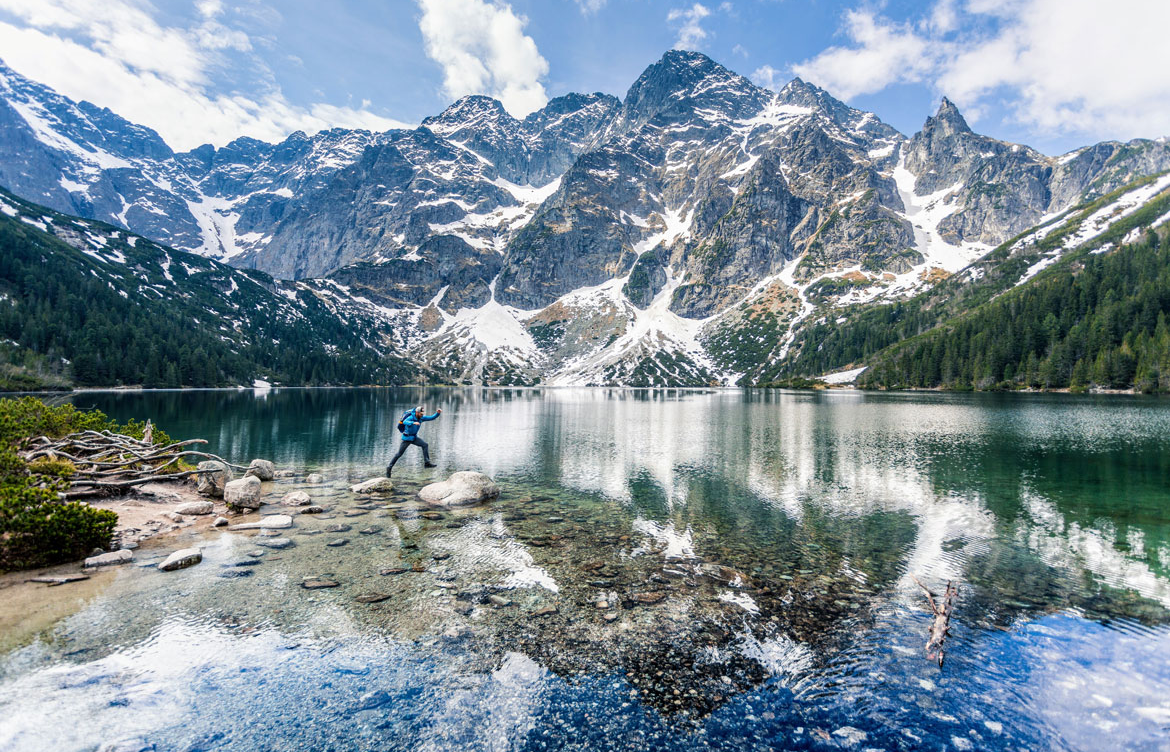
[940, 627]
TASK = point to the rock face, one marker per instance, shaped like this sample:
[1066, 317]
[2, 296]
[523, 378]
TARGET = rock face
[464, 488]
[195, 507]
[493, 250]
[296, 499]
[373, 486]
[262, 469]
[110, 559]
[181, 559]
[243, 493]
[212, 479]
[268, 522]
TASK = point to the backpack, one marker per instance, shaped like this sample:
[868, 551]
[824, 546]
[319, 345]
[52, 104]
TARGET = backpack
[402, 421]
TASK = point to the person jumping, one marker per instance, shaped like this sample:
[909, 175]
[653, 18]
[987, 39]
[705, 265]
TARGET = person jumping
[409, 426]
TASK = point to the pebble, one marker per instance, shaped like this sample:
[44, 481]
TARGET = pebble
[441, 556]
[393, 570]
[372, 597]
[431, 515]
[220, 522]
[316, 583]
[371, 530]
[355, 512]
[338, 542]
[610, 616]
[499, 600]
[545, 611]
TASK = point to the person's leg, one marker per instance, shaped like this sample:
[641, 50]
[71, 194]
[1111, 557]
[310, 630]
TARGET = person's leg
[426, 451]
[401, 449]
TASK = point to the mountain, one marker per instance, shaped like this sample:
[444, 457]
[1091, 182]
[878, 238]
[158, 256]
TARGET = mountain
[698, 231]
[83, 303]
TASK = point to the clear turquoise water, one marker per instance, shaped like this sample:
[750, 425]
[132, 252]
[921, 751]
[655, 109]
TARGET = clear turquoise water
[1052, 512]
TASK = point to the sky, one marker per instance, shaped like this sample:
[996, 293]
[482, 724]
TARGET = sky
[1054, 74]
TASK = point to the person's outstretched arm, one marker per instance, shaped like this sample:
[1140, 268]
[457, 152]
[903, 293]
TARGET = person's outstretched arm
[432, 417]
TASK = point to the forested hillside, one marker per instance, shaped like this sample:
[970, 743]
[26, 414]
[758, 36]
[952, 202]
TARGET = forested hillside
[88, 304]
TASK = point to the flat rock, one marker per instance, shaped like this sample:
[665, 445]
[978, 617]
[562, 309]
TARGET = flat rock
[181, 559]
[268, 522]
[373, 485]
[316, 583]
[262, 469]
[393, 570]
[545, 611]
[112, 558]
[228, 574]
[461, 489]
[339, 527]
[312, 509]
[648, 598]
[243, 493]
[371, 530]
[372, 597]
[273, 542]
[296, 499]
[61, 580]
[195, 507]
[337, 543]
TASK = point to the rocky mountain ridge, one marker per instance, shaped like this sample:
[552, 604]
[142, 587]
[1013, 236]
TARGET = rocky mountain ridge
[683, 235]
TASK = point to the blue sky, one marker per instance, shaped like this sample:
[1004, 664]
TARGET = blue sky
[1048, 73]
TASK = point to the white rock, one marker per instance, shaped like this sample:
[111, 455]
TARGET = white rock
[274, 542]
[296, 499]
[315, 478]
[121, 556]
[461, 489]
[195, 507]
[173, 516]
[212, 483]
[243, 493]
[262, 469]
[269, 522]
[373, 485]
[220, 522]
[181, 559]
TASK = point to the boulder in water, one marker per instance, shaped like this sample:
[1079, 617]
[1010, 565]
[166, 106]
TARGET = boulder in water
[243, 493]
[181, 559]
[296, 499]
[262, 469]
[212, 479]
[315, 478]
[373, 485]
[121, 556]
[461, 489]
[270, 522]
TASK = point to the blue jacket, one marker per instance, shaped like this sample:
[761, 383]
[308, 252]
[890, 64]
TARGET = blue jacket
[412, 423]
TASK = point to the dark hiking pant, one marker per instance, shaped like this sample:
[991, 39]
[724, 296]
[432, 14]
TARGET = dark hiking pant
[418, 443]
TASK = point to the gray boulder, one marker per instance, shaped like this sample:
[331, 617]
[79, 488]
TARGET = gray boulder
[212, 478]
[461, 489]
[262, 469]
[121, 556]
[243, 493]
[314, 478]
[296, 499]
[194, 507]
[181, 559]
[373, 485]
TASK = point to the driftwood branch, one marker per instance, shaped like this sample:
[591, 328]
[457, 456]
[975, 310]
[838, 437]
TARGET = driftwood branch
[106, 462]
[940, 627]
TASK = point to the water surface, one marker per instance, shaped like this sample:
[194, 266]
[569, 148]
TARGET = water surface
[754, 550]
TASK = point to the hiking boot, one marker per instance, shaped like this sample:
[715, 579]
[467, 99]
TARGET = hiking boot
[389, 468]
[428, 464]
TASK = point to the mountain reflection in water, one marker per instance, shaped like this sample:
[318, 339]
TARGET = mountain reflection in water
[753, 552]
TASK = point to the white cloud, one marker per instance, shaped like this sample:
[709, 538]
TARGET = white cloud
[116, 55]
[1059, 66]
[482, 48]
[691, 33]
[883, 53]
[768, 77]
[589, 7]
[740, 50]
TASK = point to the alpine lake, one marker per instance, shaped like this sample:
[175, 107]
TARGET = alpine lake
[664, 570]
